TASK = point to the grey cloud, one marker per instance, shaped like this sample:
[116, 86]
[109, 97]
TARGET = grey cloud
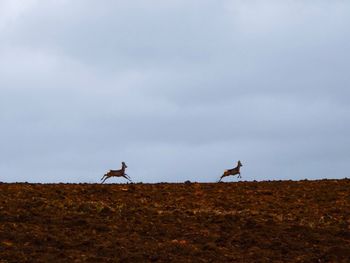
[179, 90]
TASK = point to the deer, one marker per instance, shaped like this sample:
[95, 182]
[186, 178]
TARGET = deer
[233, 171]
[116, 173]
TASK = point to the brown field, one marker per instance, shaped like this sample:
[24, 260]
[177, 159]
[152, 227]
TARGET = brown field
[278, 221]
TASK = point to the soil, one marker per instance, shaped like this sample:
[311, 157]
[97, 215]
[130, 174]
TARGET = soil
[275, 221]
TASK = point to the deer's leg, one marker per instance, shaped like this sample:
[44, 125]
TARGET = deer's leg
[126, 177]
[103, 177]
[104, 180]
[222, 176]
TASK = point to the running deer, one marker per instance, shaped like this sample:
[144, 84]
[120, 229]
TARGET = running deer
[233, 171]
[116, 173]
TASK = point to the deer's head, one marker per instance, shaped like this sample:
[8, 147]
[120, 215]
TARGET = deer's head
[239, 164]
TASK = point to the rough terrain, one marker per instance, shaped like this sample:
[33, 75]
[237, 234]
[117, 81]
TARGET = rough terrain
[277, 221]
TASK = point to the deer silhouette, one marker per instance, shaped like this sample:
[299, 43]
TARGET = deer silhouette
[233, 171]
[116, 173]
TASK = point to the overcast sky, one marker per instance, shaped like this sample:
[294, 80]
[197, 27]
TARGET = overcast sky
[179, 89]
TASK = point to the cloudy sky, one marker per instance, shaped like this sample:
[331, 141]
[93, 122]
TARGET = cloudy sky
[179, 89]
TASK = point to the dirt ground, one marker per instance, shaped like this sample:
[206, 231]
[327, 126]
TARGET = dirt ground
[277, 221]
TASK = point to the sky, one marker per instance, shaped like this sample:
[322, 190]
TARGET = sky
[179, 90]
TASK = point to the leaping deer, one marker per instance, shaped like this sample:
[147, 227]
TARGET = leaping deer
[233, 171]
[116, 173]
